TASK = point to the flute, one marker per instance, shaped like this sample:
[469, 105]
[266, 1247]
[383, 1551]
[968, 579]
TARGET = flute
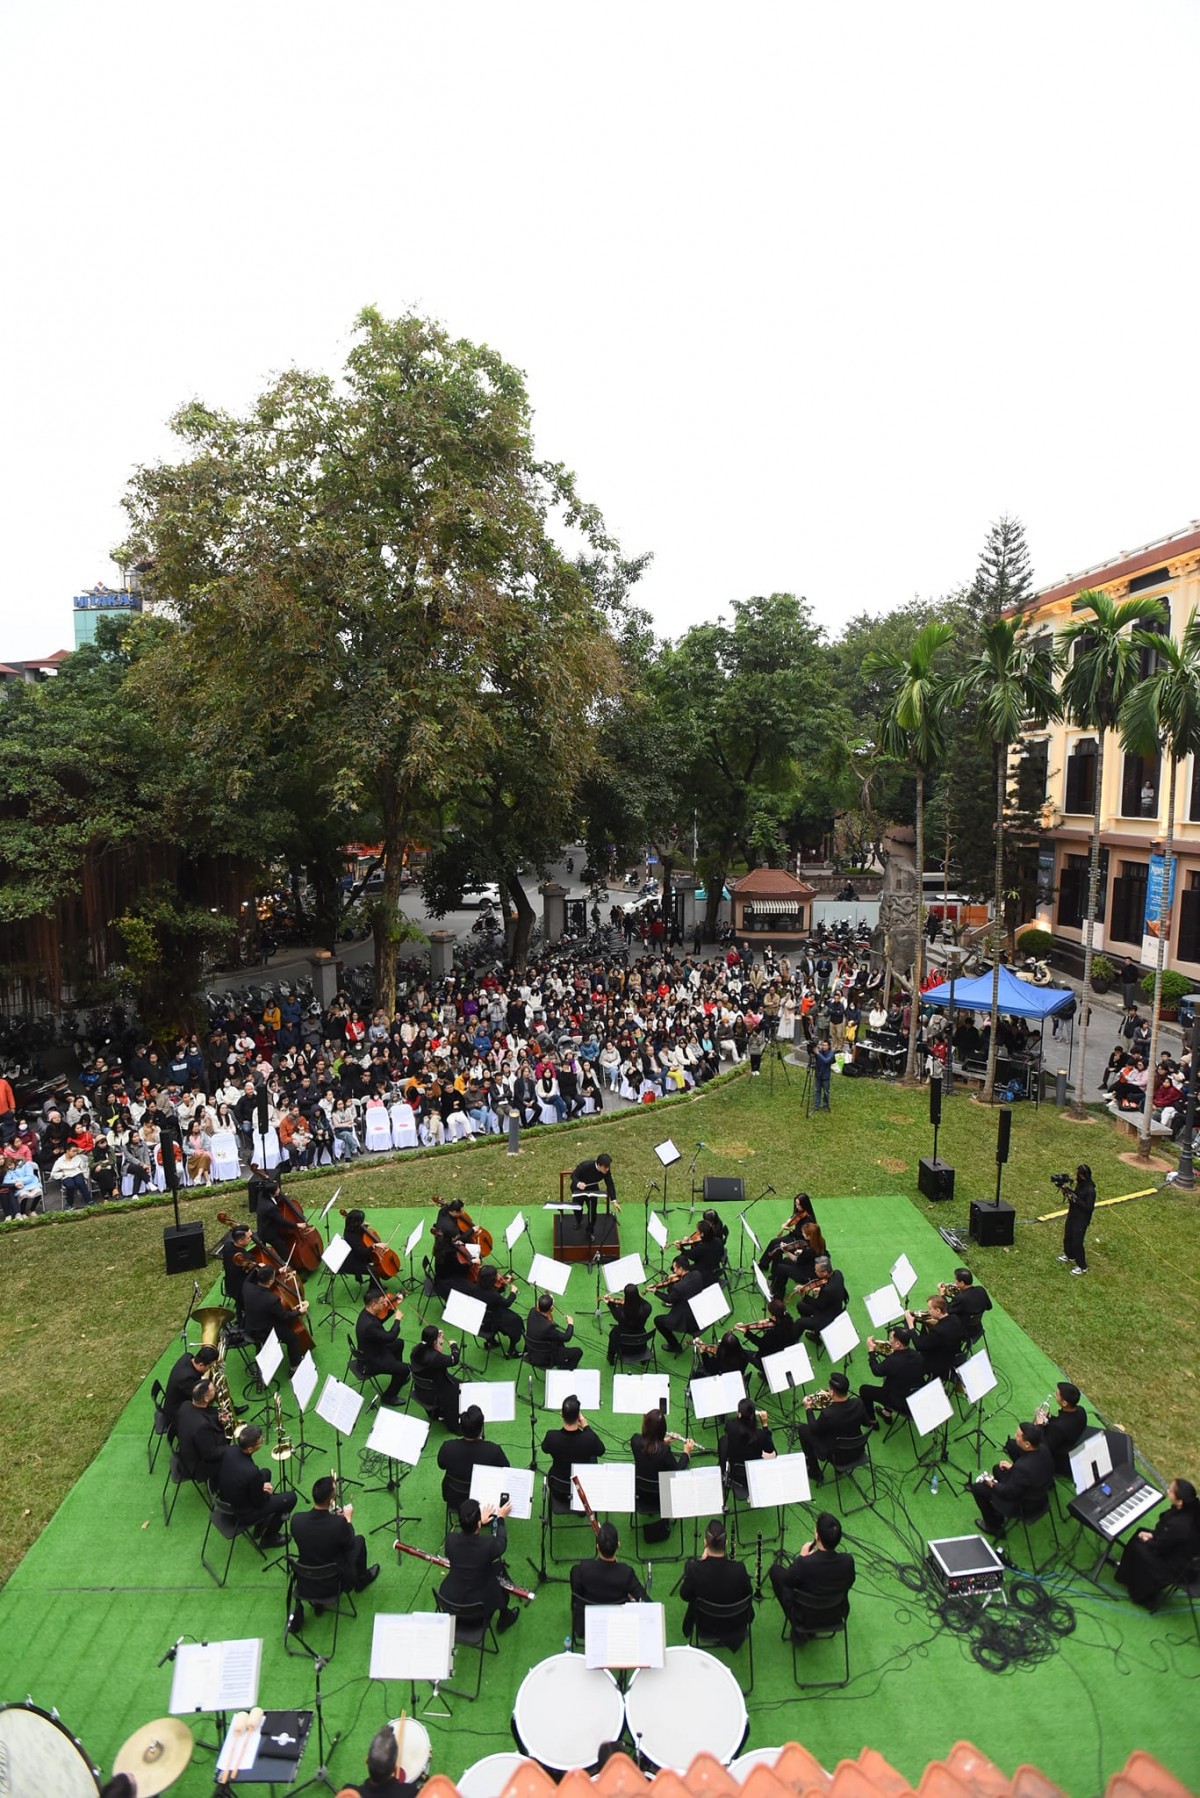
[423, 1554]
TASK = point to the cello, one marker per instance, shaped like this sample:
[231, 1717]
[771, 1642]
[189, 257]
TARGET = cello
[306, 1239]
[469, 1232]
[385, 1262]
[284, 1279]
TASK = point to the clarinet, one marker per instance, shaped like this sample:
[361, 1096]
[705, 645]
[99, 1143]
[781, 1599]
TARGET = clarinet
[423, 1554]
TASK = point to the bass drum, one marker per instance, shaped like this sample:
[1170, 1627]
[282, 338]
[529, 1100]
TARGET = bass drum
[38, 1756]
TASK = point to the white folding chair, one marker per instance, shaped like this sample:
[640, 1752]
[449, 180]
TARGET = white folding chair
[404, 1126]
[225, 1162]
[379, 1131]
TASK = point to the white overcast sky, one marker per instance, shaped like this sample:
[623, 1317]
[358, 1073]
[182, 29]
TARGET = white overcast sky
[805, 294]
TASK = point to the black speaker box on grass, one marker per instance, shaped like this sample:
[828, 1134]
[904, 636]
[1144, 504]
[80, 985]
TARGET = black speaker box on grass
[935, 1179]
[184, 1247]
[992, 1226]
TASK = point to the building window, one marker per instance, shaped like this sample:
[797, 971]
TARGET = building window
[1081, 776]
[1148, 662]
[1072, 892]
[1139, 786]
[1188, 946]
[1194, 799]
[1129, 902]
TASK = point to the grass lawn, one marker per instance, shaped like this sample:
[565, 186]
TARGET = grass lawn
[88, 1308]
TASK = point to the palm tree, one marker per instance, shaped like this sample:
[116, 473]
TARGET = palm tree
[1103, 665]
[913, 729]
[1010, 685]
[1162, 713]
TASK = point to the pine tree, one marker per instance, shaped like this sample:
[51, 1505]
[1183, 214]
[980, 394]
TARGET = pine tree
[1004, 577]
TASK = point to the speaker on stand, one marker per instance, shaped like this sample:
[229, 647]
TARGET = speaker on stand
[993, 1226]
[935, 1179]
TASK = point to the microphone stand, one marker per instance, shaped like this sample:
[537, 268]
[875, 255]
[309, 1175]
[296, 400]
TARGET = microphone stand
[651, 1186]
[692, 1179]
[321, 1776]
[183, 1334]
[532, 1428]
[597, 1263]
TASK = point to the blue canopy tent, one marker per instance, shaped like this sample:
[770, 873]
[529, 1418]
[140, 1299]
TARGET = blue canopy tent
[1018, 999]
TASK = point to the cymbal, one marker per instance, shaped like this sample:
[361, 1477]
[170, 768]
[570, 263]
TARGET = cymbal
[155, 1755]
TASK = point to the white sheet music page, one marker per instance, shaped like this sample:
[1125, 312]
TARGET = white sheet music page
[514, 1231]
[625, 1635]
[657, 1229]
[334, 1253]
[304, 1381]
[628, 1271]
[216, 1676]
[412, 1645]
[339, 1405]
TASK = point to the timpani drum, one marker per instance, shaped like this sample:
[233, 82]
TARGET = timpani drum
[412, 1739]
[756, 1757]
[39, 1756]
[690, 1705]
[564, 1710]
[487, 1778]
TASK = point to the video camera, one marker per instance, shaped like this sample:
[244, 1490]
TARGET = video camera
[1061, 1181]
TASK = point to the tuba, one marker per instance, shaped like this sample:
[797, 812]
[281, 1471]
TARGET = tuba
[213, 1321]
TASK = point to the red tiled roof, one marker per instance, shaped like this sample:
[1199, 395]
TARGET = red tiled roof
[771, 883]
[965, 1773]
[1122, 567]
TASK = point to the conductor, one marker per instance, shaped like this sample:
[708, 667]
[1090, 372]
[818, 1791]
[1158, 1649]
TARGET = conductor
[586, 1181]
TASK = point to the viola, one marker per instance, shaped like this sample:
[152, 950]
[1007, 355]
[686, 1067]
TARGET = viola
[385, 1262]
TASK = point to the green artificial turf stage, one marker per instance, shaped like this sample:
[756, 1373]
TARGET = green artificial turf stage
[106, 1589]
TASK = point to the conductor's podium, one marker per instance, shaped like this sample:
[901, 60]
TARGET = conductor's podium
[571, 1239]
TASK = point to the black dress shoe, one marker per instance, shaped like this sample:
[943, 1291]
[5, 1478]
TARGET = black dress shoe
[369, 1578]
[507, 1619]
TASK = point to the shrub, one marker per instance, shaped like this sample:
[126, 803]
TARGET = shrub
[1035, 941]
[1102, 968]
[1174, 986]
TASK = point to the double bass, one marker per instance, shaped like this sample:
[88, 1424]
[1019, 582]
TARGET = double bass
[306, 1239]
[284, 1280]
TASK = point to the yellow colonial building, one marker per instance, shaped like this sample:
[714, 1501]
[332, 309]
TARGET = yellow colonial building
[1134, 797]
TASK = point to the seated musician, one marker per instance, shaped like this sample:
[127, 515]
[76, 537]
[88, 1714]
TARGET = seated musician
[824, 1299]
[385, 1777]
[715, 1579]
[182, 1379]
[447, 1268]
[263, 1311]
[1012, 1485]
[1154, 1559]
[820, 1571]
[499, 1293]
[431, 1361]
[968, 1301]
[681, 1286]
[778, 1330]
[843, 1417]
[358, 1262]
[379, 1346]
[901, 1370]
[797, 1259]
[603, 1579]
[586, 1179]
[273, 1227]
[789, 1236]
[728, 1354]
[458, 1456]
[200, 1433]
[574, 1444]
[475, 1551]
[939, 1340]
[630, 1314]
[653, 1455]
[248, 1491]
[321, 1536]
[548, 1344]
[237, 1259]
[746, 1438]
[705, 1250]
[1060, 1432]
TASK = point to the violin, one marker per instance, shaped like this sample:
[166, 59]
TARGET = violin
[392, 1301]
[385, 1262]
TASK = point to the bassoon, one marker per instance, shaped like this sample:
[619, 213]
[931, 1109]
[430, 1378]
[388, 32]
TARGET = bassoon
[423, 1554]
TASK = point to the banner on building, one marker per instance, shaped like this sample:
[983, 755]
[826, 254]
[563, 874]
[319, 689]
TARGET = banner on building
[1154, 905]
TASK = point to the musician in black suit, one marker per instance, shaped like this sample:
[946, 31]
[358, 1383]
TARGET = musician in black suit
[586, 1179]
[706, 1252]
[201, 1438]
[940, 1340]
[715, 1579]
[548, 1344]
[728, 1354]
[358, 1263]
[1014, 1484]
[746, 1438]
[681, 1286]
[263, 1311]
[1060, 1433]
[385, 1776]
[902, 1371]
[652, 1456]
[237, 1261]
[458, 1455]
[181, 1381]
[475, 1552]
[259, 1183]
[322, 1536]
[500, 1298]
[845, 1416]
[821, 1571]
[817, 1309]
[274, 1229]
[778, 1330]
[630, 1313]
[379, 1347]
[1154, 1558]
[248, 1491]
[431, 1361]
[968, 1301]
[604, 1580]
[575, 1444]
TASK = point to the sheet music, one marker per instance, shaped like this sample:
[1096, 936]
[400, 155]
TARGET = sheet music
[783, 1481]
[691, 1492]
[216, 1676]
[977, 1376]
[412, 1645]
[718, 1394]
[304, 1381]
[551, 1276]
[633, 1394]
[398, 1436]
[339, 1405]
[884, 1306]
[497, 1399]
[584, 1382]
[610, 1490]
[515, 1231]
[628, 1271]
[418, 1231]
[464, 1313]
[794, 1360]
[762, 1281]
[487, 1483]
[333, 1199]
[269, 1358]
[746, 1226]
[334, 1253]
[625, 1635]
[657, 1229]
[904, 1275]
[709, 1306]
[840, 1337]
[928, 1407]
[667, 1153]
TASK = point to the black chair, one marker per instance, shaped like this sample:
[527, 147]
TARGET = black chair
[1031, 1510]
[225, 1521]
[455, 1491]
[636, 1348]
[424, 1390]
[711, 1624]
[824, 1631]
[472, 1629]
[645, 1492]
[555, 1506]
[356, 1371]
[177, 1476]
[319, 1586]
[1185, 1582]
[158, 1428]
[852, 1455]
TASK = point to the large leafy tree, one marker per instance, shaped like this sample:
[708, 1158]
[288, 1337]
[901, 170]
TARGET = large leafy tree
[1102, 666]
[913, 729]
[1162, 713]
[363, 562]
[1009, 685]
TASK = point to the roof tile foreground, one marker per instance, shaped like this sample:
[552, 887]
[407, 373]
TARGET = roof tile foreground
[965, 1773]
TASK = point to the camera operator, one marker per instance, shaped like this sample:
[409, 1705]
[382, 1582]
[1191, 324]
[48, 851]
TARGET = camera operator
[1080, 1195]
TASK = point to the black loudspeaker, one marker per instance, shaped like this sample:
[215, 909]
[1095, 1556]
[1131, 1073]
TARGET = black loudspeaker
[936, 1179]
[720, 1191]
[1002, 1138]
[935, 1100]
[262, 1111]
[184, 1248]
[992, 1225]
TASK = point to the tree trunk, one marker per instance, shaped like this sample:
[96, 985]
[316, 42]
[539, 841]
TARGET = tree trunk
[910, 1066]
[712, 905]
[1078, 1107]
[384, 924]
[989, 1084]
[525, 919]
[1164, 921]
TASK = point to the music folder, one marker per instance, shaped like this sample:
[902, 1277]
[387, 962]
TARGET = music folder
[216, 1676]
[624, 1635]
